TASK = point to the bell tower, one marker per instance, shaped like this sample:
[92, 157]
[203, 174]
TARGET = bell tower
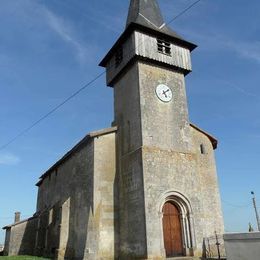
[157, 147]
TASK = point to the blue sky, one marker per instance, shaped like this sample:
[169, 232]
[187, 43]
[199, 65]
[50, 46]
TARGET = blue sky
[49, 49]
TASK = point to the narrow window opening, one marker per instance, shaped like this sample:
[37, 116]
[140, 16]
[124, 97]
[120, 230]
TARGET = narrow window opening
[164, 47]
[119, 56]
[202, 149]
[51, 216]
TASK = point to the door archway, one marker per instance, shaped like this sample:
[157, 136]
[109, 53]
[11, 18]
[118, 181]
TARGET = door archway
[172, 230]
[179, 226]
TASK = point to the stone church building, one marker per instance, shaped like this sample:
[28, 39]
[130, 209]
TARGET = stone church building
[145, 188]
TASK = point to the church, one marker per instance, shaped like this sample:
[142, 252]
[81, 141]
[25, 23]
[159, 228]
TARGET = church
[144, 188]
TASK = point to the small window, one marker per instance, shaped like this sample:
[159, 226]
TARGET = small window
[118, 57]
[50, 216]
[202, 149]
[164, 47]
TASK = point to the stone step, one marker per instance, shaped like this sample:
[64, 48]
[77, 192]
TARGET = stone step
[184, 258]
[192, 258]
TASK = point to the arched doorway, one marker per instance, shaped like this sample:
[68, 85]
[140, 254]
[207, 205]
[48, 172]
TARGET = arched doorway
[172, 230]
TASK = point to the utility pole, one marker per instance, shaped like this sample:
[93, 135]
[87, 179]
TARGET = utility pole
[256, 212]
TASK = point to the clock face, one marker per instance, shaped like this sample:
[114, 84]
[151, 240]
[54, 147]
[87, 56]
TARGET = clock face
[164, 93]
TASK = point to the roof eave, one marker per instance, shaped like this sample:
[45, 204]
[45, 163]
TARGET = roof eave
[213, 140]
[20, 222]
[144, 59]
[86, 139]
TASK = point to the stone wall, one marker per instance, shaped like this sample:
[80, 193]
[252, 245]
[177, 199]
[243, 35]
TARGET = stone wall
[164, 125]
[174, 167]
[189, 180]
[159, 159]
[7, 241]
[241, 246]
[76, 205]
[100, 234]
[131, 228]
[208, 182]
[20, 238]
[72, 181]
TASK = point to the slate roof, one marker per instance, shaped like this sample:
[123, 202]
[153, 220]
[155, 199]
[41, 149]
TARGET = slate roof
[148, 14]
[149, 9]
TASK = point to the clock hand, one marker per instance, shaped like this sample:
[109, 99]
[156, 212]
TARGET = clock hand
[165, 92]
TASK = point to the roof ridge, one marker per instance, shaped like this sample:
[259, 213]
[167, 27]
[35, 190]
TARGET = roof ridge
[150, 10]
[84, 140]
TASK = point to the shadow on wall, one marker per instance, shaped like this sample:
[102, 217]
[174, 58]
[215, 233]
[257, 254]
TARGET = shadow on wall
[27, 241]
[20, 237]
[65, 227]
[77, 225]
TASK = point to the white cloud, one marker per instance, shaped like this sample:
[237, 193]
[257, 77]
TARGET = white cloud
[32, 13]
[65, 31]
[40, 22]
[57, 24]
[248, 50]
[238, 88]
[214, 42]
[9, 159]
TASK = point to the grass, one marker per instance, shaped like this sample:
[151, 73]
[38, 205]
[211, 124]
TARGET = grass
[25, 257]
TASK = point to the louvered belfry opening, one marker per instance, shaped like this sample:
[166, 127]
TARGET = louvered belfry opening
[164, 47]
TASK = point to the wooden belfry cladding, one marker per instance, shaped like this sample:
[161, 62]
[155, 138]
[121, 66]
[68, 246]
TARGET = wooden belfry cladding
[172, 230]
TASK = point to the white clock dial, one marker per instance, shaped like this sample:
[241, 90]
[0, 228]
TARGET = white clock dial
[164, 93]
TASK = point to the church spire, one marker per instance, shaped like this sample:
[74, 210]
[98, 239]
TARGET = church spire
[145, 20]
[145, 11]
[147, 14]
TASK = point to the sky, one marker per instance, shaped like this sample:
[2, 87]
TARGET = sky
[50, 49]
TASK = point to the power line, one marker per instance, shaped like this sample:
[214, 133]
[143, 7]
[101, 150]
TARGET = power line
[51, 111]
[183, 12]
[24, 131]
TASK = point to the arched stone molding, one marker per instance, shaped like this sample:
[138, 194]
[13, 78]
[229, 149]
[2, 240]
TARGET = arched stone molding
[186, 217]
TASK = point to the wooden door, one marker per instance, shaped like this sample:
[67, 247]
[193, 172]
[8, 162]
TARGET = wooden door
[172, 230]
